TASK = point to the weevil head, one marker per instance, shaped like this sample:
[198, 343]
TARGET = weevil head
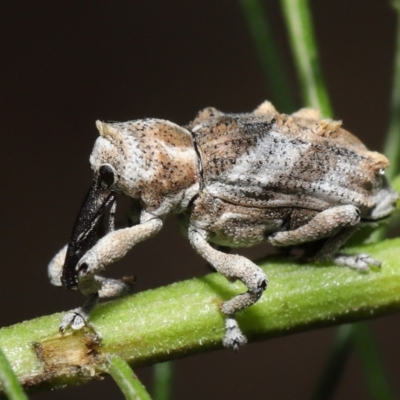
[152, 161]
[380, 197]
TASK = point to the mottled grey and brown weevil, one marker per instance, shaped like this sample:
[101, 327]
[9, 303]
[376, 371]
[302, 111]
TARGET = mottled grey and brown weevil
[237, 180]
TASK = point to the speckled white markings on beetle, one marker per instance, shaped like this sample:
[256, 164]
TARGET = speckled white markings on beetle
[236, 180]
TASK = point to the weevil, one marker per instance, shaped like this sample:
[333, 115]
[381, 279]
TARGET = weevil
[235, 180]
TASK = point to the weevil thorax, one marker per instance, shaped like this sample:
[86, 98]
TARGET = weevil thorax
[155, 161]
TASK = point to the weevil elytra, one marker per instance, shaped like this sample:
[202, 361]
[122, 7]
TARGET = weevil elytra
[236, 180]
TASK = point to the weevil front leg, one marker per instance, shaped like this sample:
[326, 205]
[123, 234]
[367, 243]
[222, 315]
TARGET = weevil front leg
[109, 288]
[55, 267]
[107, 250]
[233, 267]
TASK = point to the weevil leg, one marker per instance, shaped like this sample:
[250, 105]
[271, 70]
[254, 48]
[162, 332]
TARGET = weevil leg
[109, 288]
[360, 262]
[330, 248]
[336, 224]
[107, 250]
[329, 251]
[76, 319]
[233, 267]
[111, 248]
[111, 221]
[325, 224]
[114, 288]
[55, 267]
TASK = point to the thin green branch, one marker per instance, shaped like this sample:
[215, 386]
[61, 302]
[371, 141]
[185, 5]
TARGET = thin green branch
[392, 145]
[269, 55]
[335, 365]
[162, 384]
[375, 374]
[392, 142]
[360, 336]
[9, 381]
[126, 379]
[301, 34]
[184, 318]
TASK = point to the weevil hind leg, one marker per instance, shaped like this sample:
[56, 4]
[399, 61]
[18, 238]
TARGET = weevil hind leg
[233, 267]
[330, 252]
[326, 224]
[333, 227]
[360, 262]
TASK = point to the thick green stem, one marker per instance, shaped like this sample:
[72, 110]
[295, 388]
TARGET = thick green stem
[184, 318]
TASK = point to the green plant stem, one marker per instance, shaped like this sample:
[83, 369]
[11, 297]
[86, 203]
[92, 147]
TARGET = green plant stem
[392, 142]
[334, 368]
[9, 381]
[269, 55]
[184, 318]
[376, 378]
[126, 379]
[392, 145]
[360, 336]
[302, 40]
[163, 380]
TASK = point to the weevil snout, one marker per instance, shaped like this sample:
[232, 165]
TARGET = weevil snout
[87, 223]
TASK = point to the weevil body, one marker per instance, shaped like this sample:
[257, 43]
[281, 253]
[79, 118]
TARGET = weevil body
[236, 180]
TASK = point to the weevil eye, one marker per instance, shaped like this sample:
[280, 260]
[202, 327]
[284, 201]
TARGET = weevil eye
[107, 175]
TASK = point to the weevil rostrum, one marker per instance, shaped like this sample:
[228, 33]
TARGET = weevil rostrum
[235, 180]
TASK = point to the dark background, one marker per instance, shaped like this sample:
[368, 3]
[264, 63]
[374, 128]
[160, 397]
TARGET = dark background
[66, 64]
